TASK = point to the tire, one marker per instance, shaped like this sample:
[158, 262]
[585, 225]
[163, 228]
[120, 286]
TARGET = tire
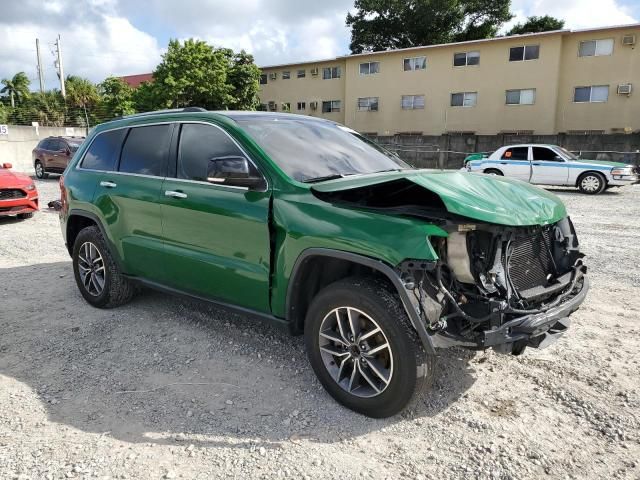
[405, 364]
[592, 183]
[493, 171]
[41, 173]
[25, 216]
[115, 289]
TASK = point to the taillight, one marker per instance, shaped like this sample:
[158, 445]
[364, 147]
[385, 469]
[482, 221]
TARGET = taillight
[63, 193]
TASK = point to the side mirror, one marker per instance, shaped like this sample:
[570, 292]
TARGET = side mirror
[233, 171]
[7, 165]
[558, 158]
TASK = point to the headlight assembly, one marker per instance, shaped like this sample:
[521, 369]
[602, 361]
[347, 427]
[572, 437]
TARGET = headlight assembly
[619, 171]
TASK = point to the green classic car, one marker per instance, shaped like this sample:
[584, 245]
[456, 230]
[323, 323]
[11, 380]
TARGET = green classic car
[306, 223]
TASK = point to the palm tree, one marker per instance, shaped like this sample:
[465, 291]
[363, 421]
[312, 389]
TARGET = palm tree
[16, 88]
[81, 94]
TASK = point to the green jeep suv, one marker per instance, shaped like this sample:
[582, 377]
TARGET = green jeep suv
[306, 223]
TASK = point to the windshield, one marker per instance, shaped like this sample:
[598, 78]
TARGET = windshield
[309, 150]
[567, 154]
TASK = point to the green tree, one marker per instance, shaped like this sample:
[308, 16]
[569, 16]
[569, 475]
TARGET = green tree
[116, 98]
[147, 98]
[17, 88]
[535, 24]
[47, 108]
[193, 74]
[388, 24]
[243, 78]
[4, 113]
[82, 96]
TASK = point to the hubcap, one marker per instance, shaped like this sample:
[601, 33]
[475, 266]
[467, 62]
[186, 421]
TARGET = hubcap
[39, 169]
[91, 269]
[591, 183]
[356, 352]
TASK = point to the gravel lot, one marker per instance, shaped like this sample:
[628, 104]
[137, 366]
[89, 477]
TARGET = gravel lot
[171, 388]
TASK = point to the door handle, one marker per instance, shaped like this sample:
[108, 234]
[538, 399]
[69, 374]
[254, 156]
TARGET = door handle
[535, 164]
[503, 163]
[173, 194]
[108, 184]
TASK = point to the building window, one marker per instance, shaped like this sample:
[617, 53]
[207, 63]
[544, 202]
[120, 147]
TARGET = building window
[596, 48]
[466, 58]
[521, 97]
[302, 106]
[302, 73]
[413, 102]
[464, 99]
[263, 79]
[527, 52]
[286, 75]
[368, 104]
[415, 63]
[273, 107]
[286, 107]
[331, 72]
[593, 94]
[369, 68]
[331, 106]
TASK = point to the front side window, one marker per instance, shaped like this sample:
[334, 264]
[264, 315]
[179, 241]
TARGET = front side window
[543, 153]
[104, 150]
[331, 72]
[413, 102]
[369, 68]
[199, 145]
[368, 104]
[146, 150]
[464, 99]
[263, 79]
[527, 52]
[596, 48]
[516, 153]
[466, 58]
[521, 97]
[415, 63]
[309, 149]
[331, 106]
[593, 94]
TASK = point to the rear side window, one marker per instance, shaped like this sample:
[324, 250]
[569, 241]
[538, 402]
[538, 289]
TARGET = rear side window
[198, 145]
[146, 150]
[103, 152]
[516, 153]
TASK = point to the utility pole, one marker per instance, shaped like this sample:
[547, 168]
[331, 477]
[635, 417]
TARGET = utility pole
[60, 67]
[40, 71]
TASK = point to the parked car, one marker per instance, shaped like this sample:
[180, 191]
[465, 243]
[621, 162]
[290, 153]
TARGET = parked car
[18, 193]
[52, 154]
[306, 223]
[554, 165]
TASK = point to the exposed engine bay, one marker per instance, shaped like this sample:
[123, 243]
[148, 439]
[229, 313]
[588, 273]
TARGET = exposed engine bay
[489, 278]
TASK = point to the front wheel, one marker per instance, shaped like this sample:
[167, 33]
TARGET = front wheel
[592, 183]
[363, 349]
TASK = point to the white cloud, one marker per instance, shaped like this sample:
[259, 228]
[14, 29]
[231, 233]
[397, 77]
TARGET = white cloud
[576, 13]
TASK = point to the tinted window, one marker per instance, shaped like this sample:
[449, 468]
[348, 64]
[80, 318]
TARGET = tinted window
[517, 153]
[103, 152]
[516, 54]
[541, 153]
[145, 151]
[198, 145]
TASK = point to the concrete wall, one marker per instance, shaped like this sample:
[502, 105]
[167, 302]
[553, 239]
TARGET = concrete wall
[16, 147]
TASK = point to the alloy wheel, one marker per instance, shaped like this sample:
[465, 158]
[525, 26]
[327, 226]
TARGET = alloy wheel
[91, 269]
[590, 183]
[39, 170]
[356, 352]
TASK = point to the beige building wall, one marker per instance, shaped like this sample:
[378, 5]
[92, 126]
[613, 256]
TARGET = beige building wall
[554, 75]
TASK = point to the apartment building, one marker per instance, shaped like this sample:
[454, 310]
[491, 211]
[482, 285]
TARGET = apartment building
[567, 81]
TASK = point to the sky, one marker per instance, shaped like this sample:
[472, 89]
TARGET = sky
[124, 37]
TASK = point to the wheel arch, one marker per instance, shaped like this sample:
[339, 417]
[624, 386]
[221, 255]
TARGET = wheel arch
[80, 219]
[586, 172]
[493, 169]
[325, 266]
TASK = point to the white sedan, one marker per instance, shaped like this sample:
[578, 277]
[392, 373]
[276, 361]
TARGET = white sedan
[553, 165]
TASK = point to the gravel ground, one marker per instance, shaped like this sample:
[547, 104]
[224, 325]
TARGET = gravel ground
[170, 388]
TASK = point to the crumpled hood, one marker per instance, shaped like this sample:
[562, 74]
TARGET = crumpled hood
[485, 198]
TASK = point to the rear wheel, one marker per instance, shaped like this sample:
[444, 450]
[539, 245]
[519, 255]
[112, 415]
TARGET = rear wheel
[493, 171]
[592, 183]
[41, 173]
[97, 275]
[363, 348]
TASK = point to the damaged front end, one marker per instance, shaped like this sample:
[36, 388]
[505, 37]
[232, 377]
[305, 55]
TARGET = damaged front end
[498, 286]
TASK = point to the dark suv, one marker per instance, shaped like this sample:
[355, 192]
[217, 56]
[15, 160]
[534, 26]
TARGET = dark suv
[306, 223]
[52, 154]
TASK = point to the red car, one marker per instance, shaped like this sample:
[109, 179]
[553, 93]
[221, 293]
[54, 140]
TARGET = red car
[18, 193]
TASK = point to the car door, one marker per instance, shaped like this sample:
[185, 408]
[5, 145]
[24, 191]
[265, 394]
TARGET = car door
[47, 152]
[129, 199]
[216, 236]
[57, 155]
[515, 163]
[548, 167]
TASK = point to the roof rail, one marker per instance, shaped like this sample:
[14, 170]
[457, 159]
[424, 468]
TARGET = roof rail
[171, 110]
